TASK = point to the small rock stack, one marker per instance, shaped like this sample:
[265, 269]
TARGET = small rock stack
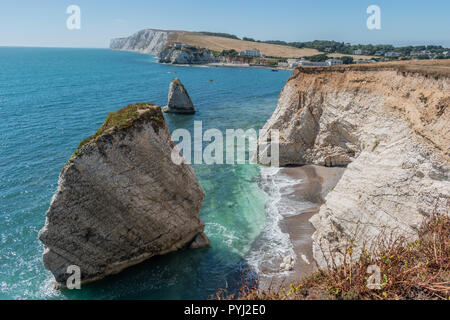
[179, 100]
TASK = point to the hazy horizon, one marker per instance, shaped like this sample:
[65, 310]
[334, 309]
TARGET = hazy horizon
[26, 23]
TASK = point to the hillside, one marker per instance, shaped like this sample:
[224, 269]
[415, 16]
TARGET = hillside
[154, 41]
[221, 43]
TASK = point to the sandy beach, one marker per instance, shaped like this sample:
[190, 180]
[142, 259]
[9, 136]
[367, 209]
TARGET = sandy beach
[314, 183]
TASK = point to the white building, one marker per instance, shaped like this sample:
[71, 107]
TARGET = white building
[250, 53]
[293, 63]
[334, 62]
[358, 51]
[392, 54]
[310, 63]
[179, 45]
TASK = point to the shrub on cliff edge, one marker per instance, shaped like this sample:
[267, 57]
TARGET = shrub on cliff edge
[408, 270]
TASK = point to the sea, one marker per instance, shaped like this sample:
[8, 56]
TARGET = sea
[52, 98]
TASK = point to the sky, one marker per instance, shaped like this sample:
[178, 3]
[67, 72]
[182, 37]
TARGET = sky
[403, 22]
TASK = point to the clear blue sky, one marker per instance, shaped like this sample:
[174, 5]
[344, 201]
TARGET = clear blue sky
[403, 22]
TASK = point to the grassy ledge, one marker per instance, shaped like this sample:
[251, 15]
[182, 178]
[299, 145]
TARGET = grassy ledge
[124, 118]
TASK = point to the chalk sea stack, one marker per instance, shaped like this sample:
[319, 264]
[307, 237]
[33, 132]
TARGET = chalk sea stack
[121, 199]
[179, 100]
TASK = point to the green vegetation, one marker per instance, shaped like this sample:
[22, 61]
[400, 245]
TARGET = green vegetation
[281, 59]
[216, 53]
[219, 34]
[407, 270]
[230, 53]
[283, 43]
[317, 58]
[377, 143]
[248, 39]
[124, 118]
[420, 52]
[346, 59]
[367, 49]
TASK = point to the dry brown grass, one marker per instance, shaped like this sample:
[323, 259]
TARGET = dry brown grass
[408, 270]
[220, 43]
[355, 57]
[433, 68]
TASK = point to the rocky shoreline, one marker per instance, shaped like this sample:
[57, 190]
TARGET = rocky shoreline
[307, 194]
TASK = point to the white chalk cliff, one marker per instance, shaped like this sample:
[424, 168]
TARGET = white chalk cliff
[159, 43]
[149, 41]
[186, 56]
[390, 125]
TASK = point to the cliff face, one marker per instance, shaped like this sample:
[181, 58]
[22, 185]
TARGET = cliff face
[152, 41]
[178, 56]
[390, 125]
[121, 199]
[145, 41]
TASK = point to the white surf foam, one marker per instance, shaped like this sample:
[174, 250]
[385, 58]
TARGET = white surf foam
[273, 244]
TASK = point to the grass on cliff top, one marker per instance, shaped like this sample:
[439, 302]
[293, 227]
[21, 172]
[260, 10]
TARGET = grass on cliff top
[121, 119]
[407, 270]
[432, 68]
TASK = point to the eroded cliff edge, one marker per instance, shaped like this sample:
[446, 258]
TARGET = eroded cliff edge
[121, 200]
[151, 41]
[390, 123]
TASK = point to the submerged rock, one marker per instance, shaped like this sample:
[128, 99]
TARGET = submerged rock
[121, 200]
[287, 264]
[179, 100]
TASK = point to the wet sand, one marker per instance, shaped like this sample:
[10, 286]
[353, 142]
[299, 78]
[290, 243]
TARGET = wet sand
[315, 183]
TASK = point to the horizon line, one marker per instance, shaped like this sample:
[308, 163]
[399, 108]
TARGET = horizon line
[54, 47]
[261, 41]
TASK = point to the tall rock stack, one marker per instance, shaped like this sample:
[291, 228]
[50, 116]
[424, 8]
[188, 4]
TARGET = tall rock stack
[178, 100]
[121, 200]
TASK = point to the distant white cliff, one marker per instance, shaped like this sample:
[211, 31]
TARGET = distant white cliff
[157, 42]
[150, 41]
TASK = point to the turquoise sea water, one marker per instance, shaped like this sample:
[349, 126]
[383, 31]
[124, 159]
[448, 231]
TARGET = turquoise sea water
[50, 99]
